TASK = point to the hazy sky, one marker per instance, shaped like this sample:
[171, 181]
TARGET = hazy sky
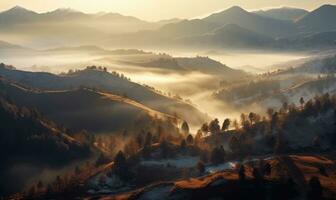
[159, 9]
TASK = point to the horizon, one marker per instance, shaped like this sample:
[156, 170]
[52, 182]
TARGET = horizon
[130, 9]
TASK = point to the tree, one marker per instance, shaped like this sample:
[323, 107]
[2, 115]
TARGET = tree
[302, 102]
[251, 117]
[241, 173]
[183, 145]
[256, 174]
[234, 144]
[270, 113]
[217, 155]
[40, 185]
[205, 128]
[315, 188]
[235, 124]
[148, 139]
[185, 128]
[280, 144]
[198, 137]
[190, 139]
[267, 169]
[226, 124]
[201, 167]
[32, 192]
[120, 166]
[164, 148]
[214, 126]
[274, 120]
[58, 183]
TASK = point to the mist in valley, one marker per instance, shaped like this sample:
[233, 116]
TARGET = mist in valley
[98, 104]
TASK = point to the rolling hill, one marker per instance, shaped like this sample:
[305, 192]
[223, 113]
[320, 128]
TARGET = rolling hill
[86, 109]
[112, 83]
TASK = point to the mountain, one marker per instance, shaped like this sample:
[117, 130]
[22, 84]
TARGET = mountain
[306, 41]
[264, 25]
[104, 81]
[232, 36]
[31, 143]
[319, 20]
[17, 14]
[284, 13]
[65, 27]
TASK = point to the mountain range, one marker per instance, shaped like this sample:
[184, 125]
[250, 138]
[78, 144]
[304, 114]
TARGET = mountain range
[238, 28]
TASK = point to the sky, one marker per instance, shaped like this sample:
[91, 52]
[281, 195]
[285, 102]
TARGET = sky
[154, 10]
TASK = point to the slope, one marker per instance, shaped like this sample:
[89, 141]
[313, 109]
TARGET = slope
[112, 83]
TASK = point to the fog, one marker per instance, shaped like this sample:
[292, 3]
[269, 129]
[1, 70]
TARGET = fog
[195, 86]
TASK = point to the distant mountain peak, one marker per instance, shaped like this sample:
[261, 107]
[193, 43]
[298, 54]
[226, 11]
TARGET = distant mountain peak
[18, 9]
[236, 8]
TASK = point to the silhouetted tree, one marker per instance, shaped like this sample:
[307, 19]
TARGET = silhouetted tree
[164, 148]
[205, 128]
[267, 169]
[183, 145]
[241, 173]
[214, 126]
[190, 139]
[234, 144]
[201, 167]
[198, 137]
[120, 167]
[217, 155]
[148, 139]
[251, 117]
[40, 185]
[302, 102]
[315, 189]
[185, 128]
[256, 174]
[226, 124]
[280, 144]
[31, 192]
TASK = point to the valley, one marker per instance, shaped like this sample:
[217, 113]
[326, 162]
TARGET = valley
[235, 104]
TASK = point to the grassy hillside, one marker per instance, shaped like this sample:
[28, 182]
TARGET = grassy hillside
[88, 109]
[109, 82]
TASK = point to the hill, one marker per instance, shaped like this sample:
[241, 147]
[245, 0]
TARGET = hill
[29, 141]
[109, 82]
[85, 109]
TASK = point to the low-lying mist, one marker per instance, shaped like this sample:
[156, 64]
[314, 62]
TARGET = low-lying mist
[194, 86]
